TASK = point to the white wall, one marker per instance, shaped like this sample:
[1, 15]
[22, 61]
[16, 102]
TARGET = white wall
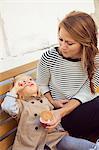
[33, 24]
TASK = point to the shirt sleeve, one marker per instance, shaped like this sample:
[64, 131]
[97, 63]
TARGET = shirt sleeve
[96, 81]
[84, 94]
[43, 74]
[10, 104]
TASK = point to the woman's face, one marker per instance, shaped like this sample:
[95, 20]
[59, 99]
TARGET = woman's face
[68, 47]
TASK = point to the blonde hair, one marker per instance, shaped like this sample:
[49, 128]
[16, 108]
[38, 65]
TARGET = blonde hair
[22, 94]
[82, 28]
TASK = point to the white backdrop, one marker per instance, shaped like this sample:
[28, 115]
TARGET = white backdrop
[30, 25]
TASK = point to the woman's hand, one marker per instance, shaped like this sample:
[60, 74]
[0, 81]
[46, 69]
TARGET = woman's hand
[59, 103]
[56, 119]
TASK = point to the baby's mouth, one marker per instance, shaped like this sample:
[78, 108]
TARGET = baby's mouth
[31, 84]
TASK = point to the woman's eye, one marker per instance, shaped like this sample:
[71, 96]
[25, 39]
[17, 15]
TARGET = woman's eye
[60, 39]
[70, 43]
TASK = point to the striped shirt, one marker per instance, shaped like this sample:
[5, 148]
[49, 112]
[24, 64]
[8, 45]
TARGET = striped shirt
[64, 78]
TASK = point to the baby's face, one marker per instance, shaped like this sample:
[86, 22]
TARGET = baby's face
[30, 87]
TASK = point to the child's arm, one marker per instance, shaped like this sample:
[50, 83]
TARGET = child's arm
[10, 103]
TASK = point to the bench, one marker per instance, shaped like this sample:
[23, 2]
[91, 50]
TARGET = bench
[8, 125]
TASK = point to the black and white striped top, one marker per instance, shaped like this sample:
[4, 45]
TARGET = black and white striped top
[64, 78]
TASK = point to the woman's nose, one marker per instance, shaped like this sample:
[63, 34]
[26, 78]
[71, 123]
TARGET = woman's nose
[64, 44]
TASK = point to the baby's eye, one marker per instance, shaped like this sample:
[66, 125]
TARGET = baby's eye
[30, 79]
[24, 81]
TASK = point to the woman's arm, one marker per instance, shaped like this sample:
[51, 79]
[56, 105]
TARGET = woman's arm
[43, 79]
[56, 103]
[49, 97]
[84, 94]
[43, 74]
[69, 107]
[59, 113]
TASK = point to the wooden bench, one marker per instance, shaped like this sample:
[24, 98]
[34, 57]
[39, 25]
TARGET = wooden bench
[8, 125]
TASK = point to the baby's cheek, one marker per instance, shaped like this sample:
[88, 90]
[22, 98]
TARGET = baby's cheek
[26, 90]
[21, 84]
[29, 90]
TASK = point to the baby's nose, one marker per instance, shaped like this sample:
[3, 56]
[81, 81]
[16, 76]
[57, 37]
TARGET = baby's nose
[30, 83]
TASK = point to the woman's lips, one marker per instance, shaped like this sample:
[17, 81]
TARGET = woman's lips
[64, 50]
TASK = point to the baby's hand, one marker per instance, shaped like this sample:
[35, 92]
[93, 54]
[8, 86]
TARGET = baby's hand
[19, 85]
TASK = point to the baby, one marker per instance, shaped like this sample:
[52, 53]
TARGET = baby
[24, 103]
[33, 112]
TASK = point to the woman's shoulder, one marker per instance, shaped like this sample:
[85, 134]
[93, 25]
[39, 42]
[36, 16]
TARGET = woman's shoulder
[50, 52]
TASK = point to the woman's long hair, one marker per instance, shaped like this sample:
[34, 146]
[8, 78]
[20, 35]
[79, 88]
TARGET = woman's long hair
[82, 28]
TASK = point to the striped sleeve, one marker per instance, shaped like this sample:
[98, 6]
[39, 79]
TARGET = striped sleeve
[96, 75]
[84, 94]
[43, 74]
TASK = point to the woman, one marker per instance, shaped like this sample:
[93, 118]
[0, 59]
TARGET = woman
[68, 75]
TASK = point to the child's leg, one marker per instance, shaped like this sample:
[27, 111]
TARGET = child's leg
[72, 143]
